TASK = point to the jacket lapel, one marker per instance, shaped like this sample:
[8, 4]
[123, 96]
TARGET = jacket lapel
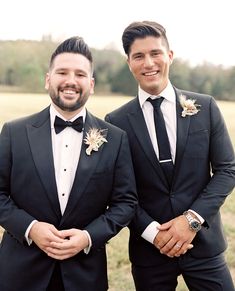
[140, 129]
[183, 124]
[86, 167]
[39, 135]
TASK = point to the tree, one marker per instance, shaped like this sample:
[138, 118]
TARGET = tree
[180, 74]
[123, 82]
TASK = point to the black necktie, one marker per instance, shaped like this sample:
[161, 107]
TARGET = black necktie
[60, 124]
[165, 158]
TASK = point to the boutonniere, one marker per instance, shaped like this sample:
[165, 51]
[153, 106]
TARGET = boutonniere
[94, 139]
[189, 106]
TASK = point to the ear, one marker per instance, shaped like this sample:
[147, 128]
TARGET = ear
[171, 56]
[47, 81]
[128, 63]
[92, 90]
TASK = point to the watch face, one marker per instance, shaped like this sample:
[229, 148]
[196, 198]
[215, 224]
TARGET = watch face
[195, 225]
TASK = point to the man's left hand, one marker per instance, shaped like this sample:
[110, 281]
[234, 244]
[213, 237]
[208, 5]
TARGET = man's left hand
[75, 241]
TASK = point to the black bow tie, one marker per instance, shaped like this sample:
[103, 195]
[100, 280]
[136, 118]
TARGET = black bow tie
[60, 124]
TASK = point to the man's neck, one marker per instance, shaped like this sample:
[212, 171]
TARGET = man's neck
[67, 114]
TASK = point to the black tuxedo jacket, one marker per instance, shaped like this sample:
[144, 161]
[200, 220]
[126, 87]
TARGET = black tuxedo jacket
[102, 201]
[204, 174]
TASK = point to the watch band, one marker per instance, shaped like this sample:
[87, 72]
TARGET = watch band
[189, 216]
[194, 223]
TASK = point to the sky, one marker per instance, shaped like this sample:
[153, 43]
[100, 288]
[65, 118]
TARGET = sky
[198, 31]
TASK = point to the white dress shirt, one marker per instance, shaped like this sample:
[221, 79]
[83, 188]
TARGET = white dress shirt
[168, 108]
[66, 147]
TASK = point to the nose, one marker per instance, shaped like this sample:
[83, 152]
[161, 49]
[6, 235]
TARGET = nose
[148, 61]
[70, 78]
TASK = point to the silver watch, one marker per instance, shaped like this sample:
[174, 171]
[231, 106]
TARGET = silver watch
[194, 224]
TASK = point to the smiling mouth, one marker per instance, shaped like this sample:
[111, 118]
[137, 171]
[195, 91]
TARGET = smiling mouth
[69, 91]
[153, 73]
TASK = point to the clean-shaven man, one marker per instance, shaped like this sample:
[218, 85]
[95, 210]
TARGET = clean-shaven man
[184, 167]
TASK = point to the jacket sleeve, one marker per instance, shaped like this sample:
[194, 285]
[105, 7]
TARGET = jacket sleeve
[222, 163]
[12, 218]
[141, 218]
[122, 203]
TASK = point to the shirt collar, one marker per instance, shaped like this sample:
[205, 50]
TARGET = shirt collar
[54, 113]
[168, 93]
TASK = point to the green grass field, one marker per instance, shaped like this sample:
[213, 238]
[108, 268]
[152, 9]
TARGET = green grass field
[17, 105]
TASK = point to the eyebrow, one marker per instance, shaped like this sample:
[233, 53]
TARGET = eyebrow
[67, 69]
[142, 53]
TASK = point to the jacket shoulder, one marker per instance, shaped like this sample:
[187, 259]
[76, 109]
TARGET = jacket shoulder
[128, 107]
[197, 96]
[33, 118]
[106, 125]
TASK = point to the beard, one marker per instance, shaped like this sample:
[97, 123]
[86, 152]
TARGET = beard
[69, 106]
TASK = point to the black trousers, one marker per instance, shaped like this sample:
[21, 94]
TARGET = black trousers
[56, 282]
[207, 274]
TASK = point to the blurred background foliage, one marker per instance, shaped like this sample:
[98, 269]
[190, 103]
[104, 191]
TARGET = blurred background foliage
[23, 65]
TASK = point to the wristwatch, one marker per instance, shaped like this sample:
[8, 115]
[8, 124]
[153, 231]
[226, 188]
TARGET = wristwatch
[194, 224]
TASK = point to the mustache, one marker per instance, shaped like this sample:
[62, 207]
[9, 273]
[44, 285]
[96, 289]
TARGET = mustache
[67, 87]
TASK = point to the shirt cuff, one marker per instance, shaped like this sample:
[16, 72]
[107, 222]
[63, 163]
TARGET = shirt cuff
[201, 220]
[87, 249]
[151, 231]
[26, 235]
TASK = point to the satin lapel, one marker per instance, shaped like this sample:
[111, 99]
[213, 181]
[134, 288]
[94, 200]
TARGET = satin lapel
[86, 167]
[39, 135]
[182, 133]
[140, 129]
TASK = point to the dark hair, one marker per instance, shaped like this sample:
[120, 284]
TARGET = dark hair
[75, 45]
[142, 29]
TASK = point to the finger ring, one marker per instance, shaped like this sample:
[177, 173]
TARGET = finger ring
[178, 246]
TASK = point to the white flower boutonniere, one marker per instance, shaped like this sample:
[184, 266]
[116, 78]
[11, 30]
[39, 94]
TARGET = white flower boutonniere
[189, 106]
[94, 139]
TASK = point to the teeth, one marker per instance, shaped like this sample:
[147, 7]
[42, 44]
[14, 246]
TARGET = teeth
[150, 73]
[69, 92]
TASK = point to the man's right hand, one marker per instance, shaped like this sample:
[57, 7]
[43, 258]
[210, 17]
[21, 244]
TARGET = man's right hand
[174, 237]
[42, 234]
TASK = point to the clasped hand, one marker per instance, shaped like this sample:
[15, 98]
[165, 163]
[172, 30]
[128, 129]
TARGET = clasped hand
[58, 244]
[174, 237]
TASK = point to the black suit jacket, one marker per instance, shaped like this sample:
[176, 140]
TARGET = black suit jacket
[204, 174]
[102, 201]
